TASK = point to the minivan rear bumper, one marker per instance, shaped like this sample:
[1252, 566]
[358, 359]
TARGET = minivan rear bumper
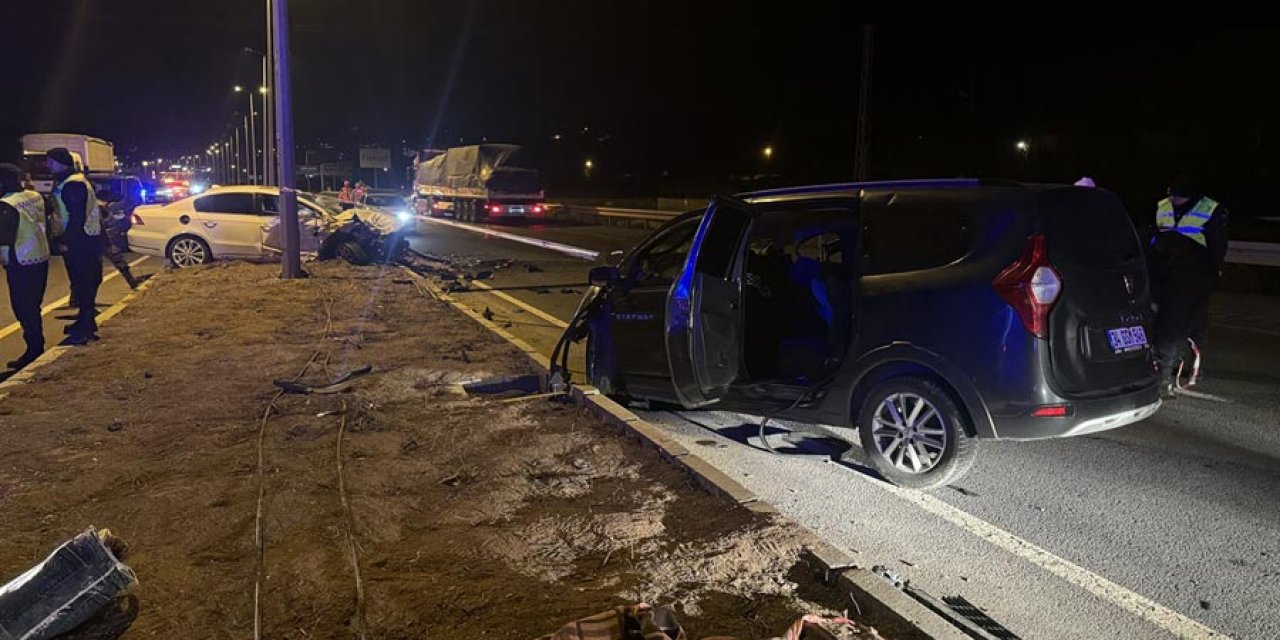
[1088, 416]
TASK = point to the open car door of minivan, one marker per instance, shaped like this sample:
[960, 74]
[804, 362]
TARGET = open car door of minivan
[704, 308]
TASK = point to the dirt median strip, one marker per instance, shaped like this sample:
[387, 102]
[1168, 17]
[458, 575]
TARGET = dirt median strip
[468, 516]
[890, 605]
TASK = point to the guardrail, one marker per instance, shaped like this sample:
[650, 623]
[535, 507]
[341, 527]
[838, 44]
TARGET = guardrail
[614, 216]
[1264, 254]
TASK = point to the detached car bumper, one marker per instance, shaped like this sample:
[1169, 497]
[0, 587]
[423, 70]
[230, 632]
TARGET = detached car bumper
[1086, 416]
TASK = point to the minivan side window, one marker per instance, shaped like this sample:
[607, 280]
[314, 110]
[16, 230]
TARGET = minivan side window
[226, 203]
[660, 263]
[912, 236]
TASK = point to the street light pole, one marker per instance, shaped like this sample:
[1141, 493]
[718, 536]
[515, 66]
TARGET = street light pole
[269, 120]
[250, 126]
[268, 140]
[860, 158]
[251, 164]
[284, 139]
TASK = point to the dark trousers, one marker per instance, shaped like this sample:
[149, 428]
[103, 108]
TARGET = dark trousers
[84, 269]
[1181, 315]
[26, 294]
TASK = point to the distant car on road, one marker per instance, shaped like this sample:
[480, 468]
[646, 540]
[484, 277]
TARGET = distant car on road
[925, 314]
[243, 222]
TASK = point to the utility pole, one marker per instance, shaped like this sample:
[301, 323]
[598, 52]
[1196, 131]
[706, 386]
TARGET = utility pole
[864, 108]
[284, 139]
[269, 119]
[253, 142]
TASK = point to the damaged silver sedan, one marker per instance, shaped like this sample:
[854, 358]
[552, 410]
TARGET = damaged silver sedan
[243, 222]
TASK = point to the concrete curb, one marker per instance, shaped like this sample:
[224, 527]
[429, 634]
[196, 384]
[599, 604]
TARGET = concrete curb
[871, 592]
[28, 373]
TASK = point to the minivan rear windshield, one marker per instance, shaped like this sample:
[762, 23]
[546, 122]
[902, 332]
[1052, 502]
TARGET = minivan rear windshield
[1088, 228]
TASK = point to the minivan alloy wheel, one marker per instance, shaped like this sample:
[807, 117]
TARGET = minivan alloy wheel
[910, 432]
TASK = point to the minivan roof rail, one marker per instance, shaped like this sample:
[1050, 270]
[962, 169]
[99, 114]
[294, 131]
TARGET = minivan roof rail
[936, 183]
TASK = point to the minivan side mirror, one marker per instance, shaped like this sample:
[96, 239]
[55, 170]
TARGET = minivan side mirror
[602, 276]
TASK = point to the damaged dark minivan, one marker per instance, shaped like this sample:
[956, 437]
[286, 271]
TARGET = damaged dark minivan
[926, 314]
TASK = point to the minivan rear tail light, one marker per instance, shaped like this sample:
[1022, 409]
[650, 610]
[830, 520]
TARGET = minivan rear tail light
[1052, 411]
[537, 208]
[495, 208]
[137, 220]
[1031, 285]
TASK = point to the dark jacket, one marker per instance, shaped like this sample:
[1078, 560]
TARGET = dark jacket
[1184, 264]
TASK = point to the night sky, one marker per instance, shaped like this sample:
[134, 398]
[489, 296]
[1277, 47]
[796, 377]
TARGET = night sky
[670, 96]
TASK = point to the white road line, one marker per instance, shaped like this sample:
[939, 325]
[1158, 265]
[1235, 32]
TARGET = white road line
[523, 305]
[577, 252]
[1140, 606]
[60, 302]
[1236, 327]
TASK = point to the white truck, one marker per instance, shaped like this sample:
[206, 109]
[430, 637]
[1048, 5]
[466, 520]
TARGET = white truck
[478, 183]
[93, 155]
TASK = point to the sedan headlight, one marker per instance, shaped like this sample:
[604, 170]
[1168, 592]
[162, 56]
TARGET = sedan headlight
[404, 216]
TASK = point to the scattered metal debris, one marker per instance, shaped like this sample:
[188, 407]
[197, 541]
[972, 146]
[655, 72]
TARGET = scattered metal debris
[337, 386]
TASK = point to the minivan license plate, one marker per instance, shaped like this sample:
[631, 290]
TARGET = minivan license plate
[1127, 339]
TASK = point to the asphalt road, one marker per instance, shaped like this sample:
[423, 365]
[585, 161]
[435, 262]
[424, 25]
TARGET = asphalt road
[1164, 528]
[56, 312]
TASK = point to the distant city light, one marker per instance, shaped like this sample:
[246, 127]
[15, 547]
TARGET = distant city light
[1023, 146]
[588, 164]
[238, 88]
[768, 152]
[262, 90]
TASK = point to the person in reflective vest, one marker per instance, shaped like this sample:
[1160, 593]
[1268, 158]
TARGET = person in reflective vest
[346, 196]
[77, 209]
[24, 252]
[1188, 248]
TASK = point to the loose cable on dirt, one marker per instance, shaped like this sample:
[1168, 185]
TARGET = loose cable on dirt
[350, 529]
[262, 481]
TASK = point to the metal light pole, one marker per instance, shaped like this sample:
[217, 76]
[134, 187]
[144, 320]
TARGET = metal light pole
[860, 158]
[235, 166]
[250, 154]
[268, 81]
[284, 139]
[250, 131]
[268, 128]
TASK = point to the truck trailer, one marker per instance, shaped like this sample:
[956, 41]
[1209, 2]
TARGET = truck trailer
[477, 183]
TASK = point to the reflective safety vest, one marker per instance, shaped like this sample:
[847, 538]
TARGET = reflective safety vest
[92, 220]
[1192, 223]
[30, 244]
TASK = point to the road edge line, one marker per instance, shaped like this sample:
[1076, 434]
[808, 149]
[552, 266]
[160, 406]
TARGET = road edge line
[868, 590]
[52, 354]
[576, 252]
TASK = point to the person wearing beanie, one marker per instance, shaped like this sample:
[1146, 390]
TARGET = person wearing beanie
[24, 252]
[81, 226]
[1188, 249]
